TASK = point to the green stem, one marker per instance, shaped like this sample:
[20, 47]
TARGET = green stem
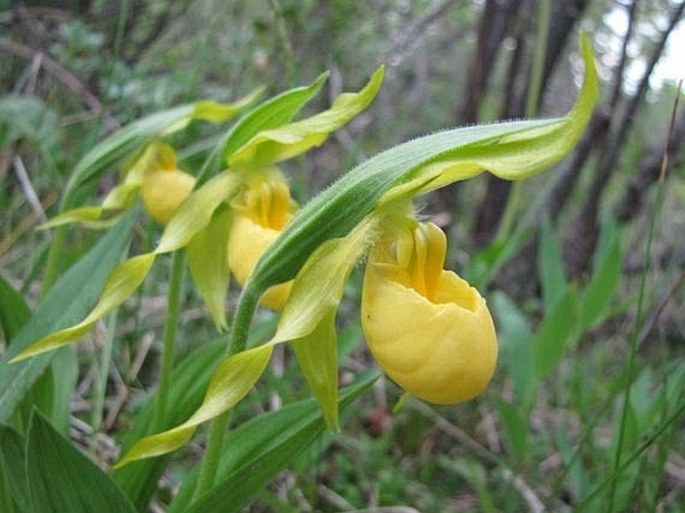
[613, 478]
[240, 328]
[284, 41]
[637, 326]
[170, 328]
[105, 361]
[52, 265]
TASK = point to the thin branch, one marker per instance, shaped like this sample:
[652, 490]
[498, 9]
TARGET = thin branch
[28, 189]
[64, 76]
[414, 31]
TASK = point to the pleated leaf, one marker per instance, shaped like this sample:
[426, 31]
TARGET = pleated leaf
[66, 302]
[61, 479]
[287, 141]
[207, 260]
[124, 280]
[15, 493]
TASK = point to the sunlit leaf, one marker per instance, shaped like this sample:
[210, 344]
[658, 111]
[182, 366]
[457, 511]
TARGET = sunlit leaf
[270, 114]
[287, 141]
[324, 278]
[260, 448]
[232, 379]
[210, 110]
[66, 302]
[124, 280]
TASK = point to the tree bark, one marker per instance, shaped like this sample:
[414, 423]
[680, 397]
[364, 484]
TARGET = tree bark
[584, 231]
[564, 16]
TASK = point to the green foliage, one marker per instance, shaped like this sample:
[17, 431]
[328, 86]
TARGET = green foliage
[551, 424]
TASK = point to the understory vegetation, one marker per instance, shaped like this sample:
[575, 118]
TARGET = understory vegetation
[222, 106]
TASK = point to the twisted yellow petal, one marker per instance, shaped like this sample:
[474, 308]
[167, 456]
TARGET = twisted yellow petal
[428, 329]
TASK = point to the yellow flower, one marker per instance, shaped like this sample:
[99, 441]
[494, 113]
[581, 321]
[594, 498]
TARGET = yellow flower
[163, 190]
[428, 329]
[261, 212]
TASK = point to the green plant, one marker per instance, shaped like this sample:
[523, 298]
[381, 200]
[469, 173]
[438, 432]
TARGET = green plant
[316, 247]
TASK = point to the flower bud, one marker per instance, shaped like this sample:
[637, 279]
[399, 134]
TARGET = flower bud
[428, 329]
[163, 190]
[261, 212]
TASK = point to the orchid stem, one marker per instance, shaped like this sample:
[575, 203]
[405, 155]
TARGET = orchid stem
[170, 329]
[215, 443]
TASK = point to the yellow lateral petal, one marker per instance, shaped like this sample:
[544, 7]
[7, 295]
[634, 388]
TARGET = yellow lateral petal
[122, 282]
[275, 145]
[231, 381]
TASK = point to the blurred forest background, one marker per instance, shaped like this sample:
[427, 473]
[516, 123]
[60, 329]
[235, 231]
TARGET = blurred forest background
[560, 257]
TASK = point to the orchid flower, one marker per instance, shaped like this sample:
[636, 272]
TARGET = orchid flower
[429, 330]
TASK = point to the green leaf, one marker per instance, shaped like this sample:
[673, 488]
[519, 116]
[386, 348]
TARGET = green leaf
[259, 449]
[90, 217]
[553, 334]
[13, 479]
[606, 275]
[130, 139]
[231, 381]
[193, 216]
[320, 284]
[270, 114]
[122, 282]
[207, 255]
[62, 479]
[318, 358]
[155, 156]
[323, 277]
[515, 427]
[126, 142]
[516, 348]
[287, 141]
[139, 479]
[210, 110]
[551, 265]
[14, 311]
[511, 150]
[67, 301]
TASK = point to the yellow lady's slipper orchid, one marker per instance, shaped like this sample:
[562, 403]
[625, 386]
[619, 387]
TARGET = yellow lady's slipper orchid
[261, 212]
[163, 190]
[428, 329]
